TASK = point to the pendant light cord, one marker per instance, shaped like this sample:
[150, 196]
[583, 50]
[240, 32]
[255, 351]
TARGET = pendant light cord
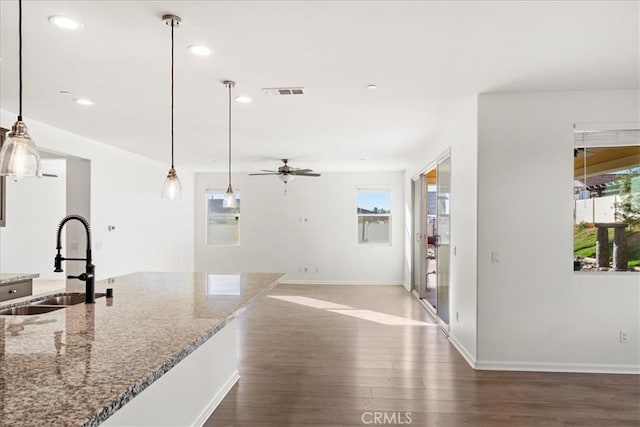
[172, 60]
[230, 86]
[584, 162]
[20, 55]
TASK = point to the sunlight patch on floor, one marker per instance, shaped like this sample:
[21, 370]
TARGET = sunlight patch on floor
[372, 316]
[311, 302]
[382, 318]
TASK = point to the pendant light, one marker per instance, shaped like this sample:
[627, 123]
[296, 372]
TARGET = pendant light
[229, 197]
[19, 156]
[172, 189]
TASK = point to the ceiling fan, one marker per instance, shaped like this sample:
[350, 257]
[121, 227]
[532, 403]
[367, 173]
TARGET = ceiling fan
[286, 173]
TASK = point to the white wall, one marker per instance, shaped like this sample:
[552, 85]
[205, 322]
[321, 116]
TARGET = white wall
[274, 236]
[34, 208]
[534, 311]
[151, 234]
[460, 135]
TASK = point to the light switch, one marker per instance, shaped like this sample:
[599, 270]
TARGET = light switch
[495, 257]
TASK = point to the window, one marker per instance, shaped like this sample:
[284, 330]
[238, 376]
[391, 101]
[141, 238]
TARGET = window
[223, 284]
[606, 216]
[223, 224]
[374, 216]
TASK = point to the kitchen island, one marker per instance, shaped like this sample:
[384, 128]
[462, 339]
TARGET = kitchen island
[16, 285]
[161, 352]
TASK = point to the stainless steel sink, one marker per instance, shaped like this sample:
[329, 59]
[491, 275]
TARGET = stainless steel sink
[66, 299]
[27, 310]
[46, 305]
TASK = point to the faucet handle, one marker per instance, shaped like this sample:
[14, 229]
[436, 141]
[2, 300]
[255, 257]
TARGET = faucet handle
[82, 277]
[57, 267]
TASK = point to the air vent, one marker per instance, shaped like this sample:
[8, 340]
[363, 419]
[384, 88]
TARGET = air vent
[283, 91]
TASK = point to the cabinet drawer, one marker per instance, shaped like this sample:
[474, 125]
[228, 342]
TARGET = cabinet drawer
[16, 290]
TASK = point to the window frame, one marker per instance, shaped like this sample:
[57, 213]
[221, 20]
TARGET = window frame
[587, 138]
[237, 215]
[374, 189]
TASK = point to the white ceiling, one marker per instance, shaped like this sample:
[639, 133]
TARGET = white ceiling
[425, 57]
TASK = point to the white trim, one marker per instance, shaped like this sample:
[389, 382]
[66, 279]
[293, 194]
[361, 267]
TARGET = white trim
[217, 399]
[452, 339]
[407, 286]
[446, 153]
[444, 327]
[463, 351]
[493, 365]
[599, 127]
[341, 282]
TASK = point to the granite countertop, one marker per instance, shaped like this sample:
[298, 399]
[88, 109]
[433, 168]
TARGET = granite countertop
[78, 365]
[7, 278]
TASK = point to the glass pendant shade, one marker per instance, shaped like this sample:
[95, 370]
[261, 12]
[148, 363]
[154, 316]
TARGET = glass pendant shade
[286, 178]
[172, 189]
[229, 200]
[19, 156]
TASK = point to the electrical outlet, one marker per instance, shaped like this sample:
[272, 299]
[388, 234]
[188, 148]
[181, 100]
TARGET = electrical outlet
[455, 251]
[624, 336]
[317, 269]
[74, 246]
[305, 269]
[495, 257]
[457, 316]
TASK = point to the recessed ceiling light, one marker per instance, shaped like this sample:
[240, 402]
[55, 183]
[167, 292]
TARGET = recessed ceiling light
[65, 22]
[371, 87]
[83, 101]
[200, 50]
[243, 99]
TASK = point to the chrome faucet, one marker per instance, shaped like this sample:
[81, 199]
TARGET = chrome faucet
[89, 275]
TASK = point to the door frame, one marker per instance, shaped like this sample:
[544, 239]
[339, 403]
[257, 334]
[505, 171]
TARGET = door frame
[431, 310]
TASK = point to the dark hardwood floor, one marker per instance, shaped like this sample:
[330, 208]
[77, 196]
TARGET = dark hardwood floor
[374, 352]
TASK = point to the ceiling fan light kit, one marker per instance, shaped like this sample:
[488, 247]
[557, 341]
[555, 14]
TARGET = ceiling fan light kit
[286, 173]
[19, 156]
[286, 178]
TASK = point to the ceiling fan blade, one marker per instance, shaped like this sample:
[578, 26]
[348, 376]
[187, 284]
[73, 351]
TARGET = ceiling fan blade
[296, 170]
[267, 170]
[49, 175]
[268, 173]
[306, 174]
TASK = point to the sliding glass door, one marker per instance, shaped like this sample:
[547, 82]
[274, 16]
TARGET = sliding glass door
[431, 246]
[443, 247]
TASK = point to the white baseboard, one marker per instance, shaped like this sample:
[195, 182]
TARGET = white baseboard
[492, 365]
[217, 399]
[463, 351]
[339, 282]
